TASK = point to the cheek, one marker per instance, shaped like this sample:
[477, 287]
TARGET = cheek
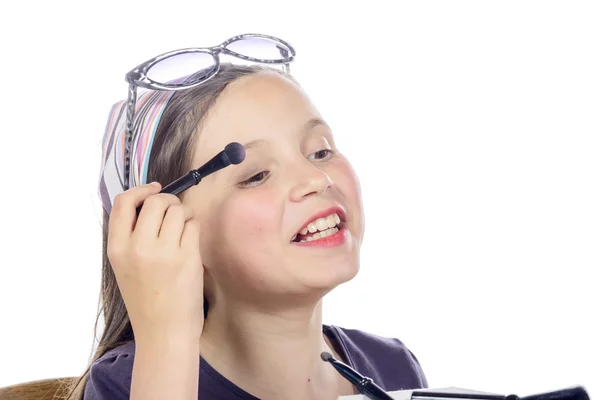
[236, 223]
[348, 184]
[251, 227]
[252, 219]
[347, 181]
[239, 237]
[251, 237]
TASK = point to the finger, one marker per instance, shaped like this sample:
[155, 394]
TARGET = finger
[151, 217]
[190, 238]
[173, 224]
[122, 216]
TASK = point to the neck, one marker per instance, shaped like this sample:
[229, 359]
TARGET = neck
[271, 355]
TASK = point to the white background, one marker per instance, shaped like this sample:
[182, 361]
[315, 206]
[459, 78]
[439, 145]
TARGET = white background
[473, 125]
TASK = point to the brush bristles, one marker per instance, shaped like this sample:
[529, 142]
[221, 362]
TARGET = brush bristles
[235, 152]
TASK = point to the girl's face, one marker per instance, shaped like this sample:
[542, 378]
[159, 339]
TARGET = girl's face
[253, 215]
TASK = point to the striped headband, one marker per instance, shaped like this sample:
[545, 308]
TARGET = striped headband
[149, 108]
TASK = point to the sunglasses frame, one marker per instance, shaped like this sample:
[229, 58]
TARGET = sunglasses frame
[138, 77]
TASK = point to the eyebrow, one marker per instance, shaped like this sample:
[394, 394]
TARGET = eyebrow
[314, 123]
[253, 144]
[257, 143]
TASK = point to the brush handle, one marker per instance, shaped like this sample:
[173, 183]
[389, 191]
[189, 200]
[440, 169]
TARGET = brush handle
[188, 180]
[370, 389]
[179, 185]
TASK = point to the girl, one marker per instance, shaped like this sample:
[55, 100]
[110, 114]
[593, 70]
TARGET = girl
[216, 293]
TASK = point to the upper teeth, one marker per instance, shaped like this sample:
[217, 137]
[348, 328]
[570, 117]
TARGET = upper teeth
[321, 224]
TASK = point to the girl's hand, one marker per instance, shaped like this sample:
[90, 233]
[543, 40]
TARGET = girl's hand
[157, 263]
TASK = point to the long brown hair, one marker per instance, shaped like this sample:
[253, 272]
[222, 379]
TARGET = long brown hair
[170, 158]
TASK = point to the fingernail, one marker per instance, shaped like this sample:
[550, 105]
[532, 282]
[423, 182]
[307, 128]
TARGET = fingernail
[155, 184]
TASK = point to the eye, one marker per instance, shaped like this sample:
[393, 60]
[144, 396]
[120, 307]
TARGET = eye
[321, 154]
[255, 180]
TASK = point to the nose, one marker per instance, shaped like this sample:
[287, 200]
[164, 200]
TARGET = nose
[309, 180]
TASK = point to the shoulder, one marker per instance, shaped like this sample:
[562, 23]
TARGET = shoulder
[110, 375]
[384, 357]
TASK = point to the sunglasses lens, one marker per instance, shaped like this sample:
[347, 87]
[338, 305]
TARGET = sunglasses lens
[258, 48]
[180, 68]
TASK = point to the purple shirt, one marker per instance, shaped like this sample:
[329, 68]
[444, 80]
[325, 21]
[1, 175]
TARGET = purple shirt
[387, 361]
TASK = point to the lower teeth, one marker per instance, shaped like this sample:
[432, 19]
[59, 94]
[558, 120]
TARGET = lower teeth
[320, 235]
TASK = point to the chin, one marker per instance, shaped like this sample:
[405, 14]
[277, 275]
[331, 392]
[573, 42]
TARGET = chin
[327, 275]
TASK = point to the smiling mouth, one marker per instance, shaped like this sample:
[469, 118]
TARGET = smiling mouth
[319, 228]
